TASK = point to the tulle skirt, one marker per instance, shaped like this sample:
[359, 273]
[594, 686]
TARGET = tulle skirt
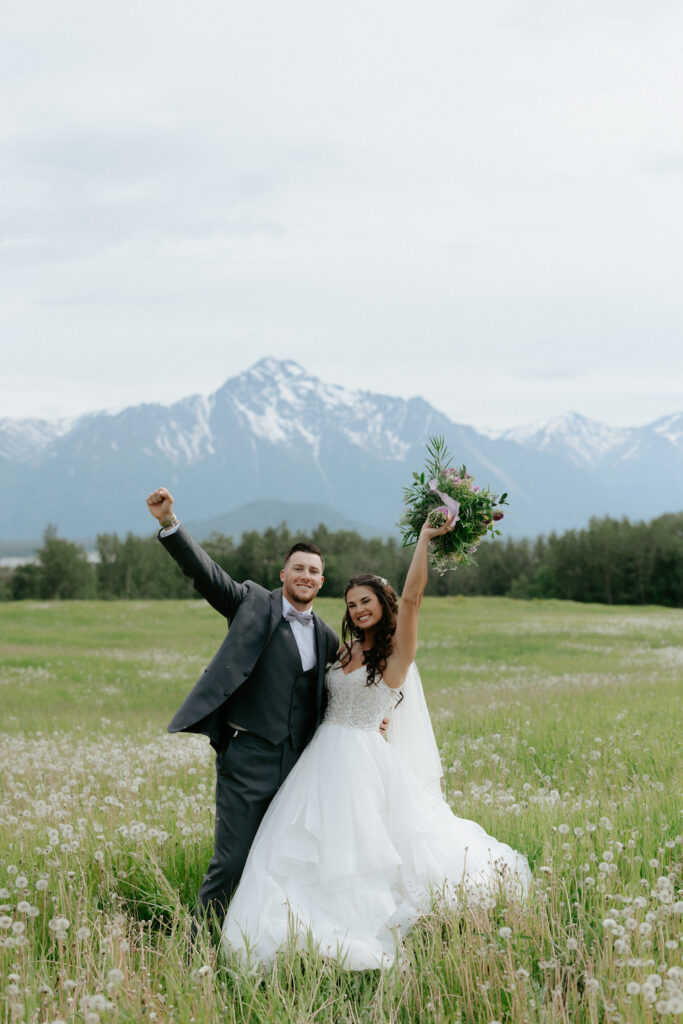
[351, 852]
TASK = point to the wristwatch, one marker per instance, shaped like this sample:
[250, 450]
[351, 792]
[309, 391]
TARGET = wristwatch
[172, 520]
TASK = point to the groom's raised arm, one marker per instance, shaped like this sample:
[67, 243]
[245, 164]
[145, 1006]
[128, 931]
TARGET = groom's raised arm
[214, 584]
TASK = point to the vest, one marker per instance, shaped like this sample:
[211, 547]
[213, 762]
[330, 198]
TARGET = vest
[278, 699]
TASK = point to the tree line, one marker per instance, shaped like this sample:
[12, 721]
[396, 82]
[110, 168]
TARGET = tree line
[610, 561]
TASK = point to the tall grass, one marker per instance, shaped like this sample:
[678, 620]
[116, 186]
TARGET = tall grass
[559, 726]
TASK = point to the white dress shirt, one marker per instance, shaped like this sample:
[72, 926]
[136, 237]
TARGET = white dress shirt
[304, 634]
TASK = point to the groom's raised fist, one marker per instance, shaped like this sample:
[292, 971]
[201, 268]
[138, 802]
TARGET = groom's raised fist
[160, 503]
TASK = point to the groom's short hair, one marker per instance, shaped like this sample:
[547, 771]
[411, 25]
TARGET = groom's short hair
[311, 549]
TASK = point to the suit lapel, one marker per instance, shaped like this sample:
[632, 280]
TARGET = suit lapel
[321, 655]
[275, 611]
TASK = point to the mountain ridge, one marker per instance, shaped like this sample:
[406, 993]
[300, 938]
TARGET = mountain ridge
[277, 432]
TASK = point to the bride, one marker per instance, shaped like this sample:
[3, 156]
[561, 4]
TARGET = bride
[358, 838]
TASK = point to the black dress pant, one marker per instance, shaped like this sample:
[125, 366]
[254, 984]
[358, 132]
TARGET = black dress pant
[248, 774]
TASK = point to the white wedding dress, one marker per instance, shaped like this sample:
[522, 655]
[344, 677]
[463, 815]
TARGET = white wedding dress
[355, 843]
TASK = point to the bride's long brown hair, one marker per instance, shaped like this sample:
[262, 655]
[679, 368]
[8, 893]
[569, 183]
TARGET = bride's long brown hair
[376, 657]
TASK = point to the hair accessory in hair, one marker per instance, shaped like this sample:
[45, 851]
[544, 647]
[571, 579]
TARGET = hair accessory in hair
[382, 580]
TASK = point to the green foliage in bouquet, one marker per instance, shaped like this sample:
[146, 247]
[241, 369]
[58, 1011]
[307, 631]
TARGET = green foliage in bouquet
[440, 489]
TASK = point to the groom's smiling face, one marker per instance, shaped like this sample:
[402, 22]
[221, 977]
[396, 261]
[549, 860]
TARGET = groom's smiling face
[302, 578]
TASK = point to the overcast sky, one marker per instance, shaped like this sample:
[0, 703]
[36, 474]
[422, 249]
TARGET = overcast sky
[479, 203]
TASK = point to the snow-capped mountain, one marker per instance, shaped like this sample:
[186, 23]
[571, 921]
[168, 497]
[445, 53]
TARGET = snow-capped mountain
[277, 434]
[584, 441]
[27, 440]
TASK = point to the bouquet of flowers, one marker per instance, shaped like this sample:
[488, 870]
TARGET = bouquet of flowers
[441, 489]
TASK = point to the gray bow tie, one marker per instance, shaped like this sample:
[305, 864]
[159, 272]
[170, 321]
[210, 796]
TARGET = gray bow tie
[305, 617]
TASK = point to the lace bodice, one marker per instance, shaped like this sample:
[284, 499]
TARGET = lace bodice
[350, 701]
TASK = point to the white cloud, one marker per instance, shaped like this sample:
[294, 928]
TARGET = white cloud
[444, 200]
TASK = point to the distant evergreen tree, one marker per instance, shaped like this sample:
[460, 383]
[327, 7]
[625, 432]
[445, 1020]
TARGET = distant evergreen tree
[65, 570]
[611, 562]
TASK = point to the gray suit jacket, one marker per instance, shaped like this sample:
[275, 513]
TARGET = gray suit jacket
[252, 613]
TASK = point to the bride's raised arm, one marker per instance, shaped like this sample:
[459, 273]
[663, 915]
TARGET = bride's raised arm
[405, 637]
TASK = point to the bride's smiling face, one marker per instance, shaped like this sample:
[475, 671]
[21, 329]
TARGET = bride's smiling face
[365, 608]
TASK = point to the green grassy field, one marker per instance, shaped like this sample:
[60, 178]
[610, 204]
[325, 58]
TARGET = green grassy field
[559, 726]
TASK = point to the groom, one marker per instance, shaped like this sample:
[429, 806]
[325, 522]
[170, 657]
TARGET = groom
[260, 699]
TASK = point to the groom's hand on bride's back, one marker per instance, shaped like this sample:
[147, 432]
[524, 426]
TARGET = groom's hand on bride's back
[160, 503]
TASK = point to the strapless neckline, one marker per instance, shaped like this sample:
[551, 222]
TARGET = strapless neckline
[361, 668]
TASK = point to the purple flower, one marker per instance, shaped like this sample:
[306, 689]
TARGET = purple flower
[497, 516]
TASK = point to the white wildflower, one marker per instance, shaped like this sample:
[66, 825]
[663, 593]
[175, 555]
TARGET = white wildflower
[21, 882]
[633, 988]
[58, 924]
[505, 932]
